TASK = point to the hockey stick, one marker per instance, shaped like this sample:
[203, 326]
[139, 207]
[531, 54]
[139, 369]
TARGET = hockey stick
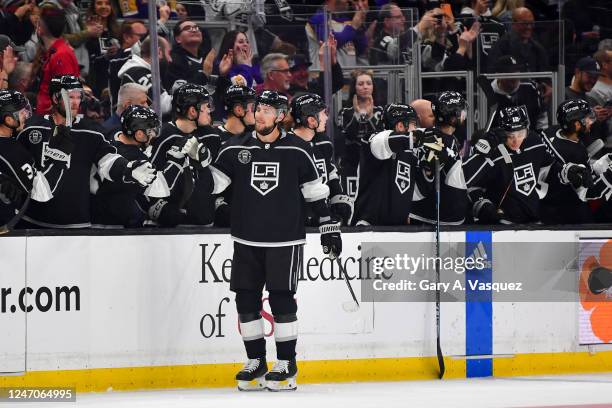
[348, 306]
[438, 347]
[8, 227]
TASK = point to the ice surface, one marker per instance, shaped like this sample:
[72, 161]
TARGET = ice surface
[555, 391]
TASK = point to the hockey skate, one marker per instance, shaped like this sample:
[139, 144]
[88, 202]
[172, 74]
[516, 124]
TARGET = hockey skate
[251, 377]
[282, 376]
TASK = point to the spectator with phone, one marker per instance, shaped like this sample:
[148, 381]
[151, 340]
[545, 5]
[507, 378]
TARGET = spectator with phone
[103, 48]
[446, 46]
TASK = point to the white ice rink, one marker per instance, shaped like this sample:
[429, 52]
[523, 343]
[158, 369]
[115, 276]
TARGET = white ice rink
[585, 391]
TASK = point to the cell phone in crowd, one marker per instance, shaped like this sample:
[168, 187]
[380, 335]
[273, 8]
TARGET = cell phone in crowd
[106, 43]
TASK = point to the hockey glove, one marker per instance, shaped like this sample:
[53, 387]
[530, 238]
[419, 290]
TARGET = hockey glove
[60, 145]
[197, 152]
[341, 206]
[330, 237]
[139, 171]
[575, 174]
[486, 212]
[62, 139]
[10, 191]
[175, 155]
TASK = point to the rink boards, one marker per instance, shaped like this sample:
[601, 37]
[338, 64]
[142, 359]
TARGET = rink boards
[155, 311]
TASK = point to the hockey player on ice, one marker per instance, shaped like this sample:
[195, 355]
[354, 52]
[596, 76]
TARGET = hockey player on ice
[20, 175]
[274, 176]
[89, 153]
[570, 142]
[309, 113]
[390, 170]
[450, 110]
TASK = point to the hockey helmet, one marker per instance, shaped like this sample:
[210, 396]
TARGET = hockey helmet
[11, 103]
[306, 105]
[448, 107]
[513, 118]
[67, 82]
[273, 99]
[395, 113]
[137, 117]
[189, 95]
[238, 94]
[572, 110]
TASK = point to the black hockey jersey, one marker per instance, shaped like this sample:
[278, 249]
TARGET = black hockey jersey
[323, 153]
[354, 130]
[271, 184]
[453, 190]
[70, 206]
[18, 167]
[563, 204]
[117, 203]
[190, 190]
[388, 175]
[527, 94]
[514, 181]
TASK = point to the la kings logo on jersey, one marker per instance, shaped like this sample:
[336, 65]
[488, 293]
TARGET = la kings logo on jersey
[524, 179]
[487, 40]
[322, 169]
[264, 176]
[402, 176]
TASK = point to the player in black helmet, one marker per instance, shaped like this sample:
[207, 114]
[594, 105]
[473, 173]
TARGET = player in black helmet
[49, 137]
[190, 201]
[115, 203]
[274, 176]
[450, 110]
[20, 177]
[571, 142]
[309, 114]
[510, 171]
[239, 102]
[390, 174]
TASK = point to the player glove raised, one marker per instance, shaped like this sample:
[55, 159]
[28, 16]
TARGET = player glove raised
[197, 151]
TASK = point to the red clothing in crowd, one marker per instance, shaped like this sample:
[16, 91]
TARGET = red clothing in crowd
[58, 60]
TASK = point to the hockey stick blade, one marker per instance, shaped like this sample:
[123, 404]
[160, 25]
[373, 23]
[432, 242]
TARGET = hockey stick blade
[350, 306]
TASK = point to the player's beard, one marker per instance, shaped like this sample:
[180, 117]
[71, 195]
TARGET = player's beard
[266, 130]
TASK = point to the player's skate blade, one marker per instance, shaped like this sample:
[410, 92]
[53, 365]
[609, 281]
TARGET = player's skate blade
[251, 377]
[290, 384]
[257, 384]
[282, 376]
